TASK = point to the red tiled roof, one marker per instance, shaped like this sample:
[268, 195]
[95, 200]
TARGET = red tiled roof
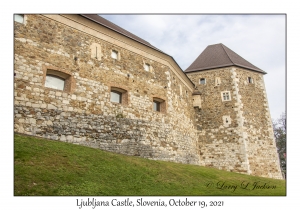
[217, 56]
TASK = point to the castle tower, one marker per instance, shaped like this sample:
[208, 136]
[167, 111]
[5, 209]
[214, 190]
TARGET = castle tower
[234, 124]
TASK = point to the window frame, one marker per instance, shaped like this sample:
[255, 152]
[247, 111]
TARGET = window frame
[226, 99]
[69, 81]
[161, 105]
[123, 95]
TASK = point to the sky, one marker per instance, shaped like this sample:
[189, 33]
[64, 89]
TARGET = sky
[260, 39]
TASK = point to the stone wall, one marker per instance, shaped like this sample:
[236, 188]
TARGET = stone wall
[235, 135]
[221, 145]
[260, 143]
[83, 113]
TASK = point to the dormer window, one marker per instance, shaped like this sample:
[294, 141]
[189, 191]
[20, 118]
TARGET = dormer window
[202, 81]
[114, 54]
[19, 18]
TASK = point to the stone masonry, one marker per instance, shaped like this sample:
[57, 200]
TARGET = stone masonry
[191, 128]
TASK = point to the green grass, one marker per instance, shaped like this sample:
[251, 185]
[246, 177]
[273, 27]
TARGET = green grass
[45, 167]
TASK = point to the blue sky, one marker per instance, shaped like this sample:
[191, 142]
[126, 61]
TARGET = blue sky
[260, 39]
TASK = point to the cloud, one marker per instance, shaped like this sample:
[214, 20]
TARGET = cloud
[260, 39]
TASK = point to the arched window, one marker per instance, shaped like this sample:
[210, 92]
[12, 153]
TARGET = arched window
[118, 95]
[55, 82]
[58, 79]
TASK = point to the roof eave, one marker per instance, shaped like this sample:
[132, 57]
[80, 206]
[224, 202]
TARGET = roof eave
[222, 66]
[122, 33]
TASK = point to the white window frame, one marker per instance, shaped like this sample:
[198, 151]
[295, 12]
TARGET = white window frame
[227, 96]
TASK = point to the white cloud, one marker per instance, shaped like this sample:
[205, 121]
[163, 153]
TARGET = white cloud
[260, 39]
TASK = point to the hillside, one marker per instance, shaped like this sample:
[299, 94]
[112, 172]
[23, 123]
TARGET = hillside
[45, 167]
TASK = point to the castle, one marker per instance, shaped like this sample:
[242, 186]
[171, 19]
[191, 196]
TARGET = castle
[84, 80]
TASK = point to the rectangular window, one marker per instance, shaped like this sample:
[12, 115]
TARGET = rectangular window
[116, 97]
[250, 80]
[114, 54]
[156, 106]
[55, 82]
[225, 96]
[202, 81]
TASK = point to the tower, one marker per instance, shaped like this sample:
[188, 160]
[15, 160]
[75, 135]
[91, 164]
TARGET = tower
[234, 124]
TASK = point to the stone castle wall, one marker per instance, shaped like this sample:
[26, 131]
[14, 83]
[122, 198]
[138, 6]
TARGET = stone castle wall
[233, 134]
[83, 113]
[229, 135]
[260, 144]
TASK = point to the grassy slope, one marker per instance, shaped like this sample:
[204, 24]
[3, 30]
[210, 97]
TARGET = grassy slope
[44, 167]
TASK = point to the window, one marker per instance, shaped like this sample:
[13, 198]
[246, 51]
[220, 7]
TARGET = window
[159, 105]
[225, 96]
[55, 82]
[19, 18]
[58, 79]
[96, 51]
[147, 67]
[218, 81]
[114, 54]
[250, 80]
[156, 106]
[202, 81]
[115, 96]
[118, 95]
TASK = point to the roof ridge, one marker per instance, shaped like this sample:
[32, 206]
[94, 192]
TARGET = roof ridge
[227, 53]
